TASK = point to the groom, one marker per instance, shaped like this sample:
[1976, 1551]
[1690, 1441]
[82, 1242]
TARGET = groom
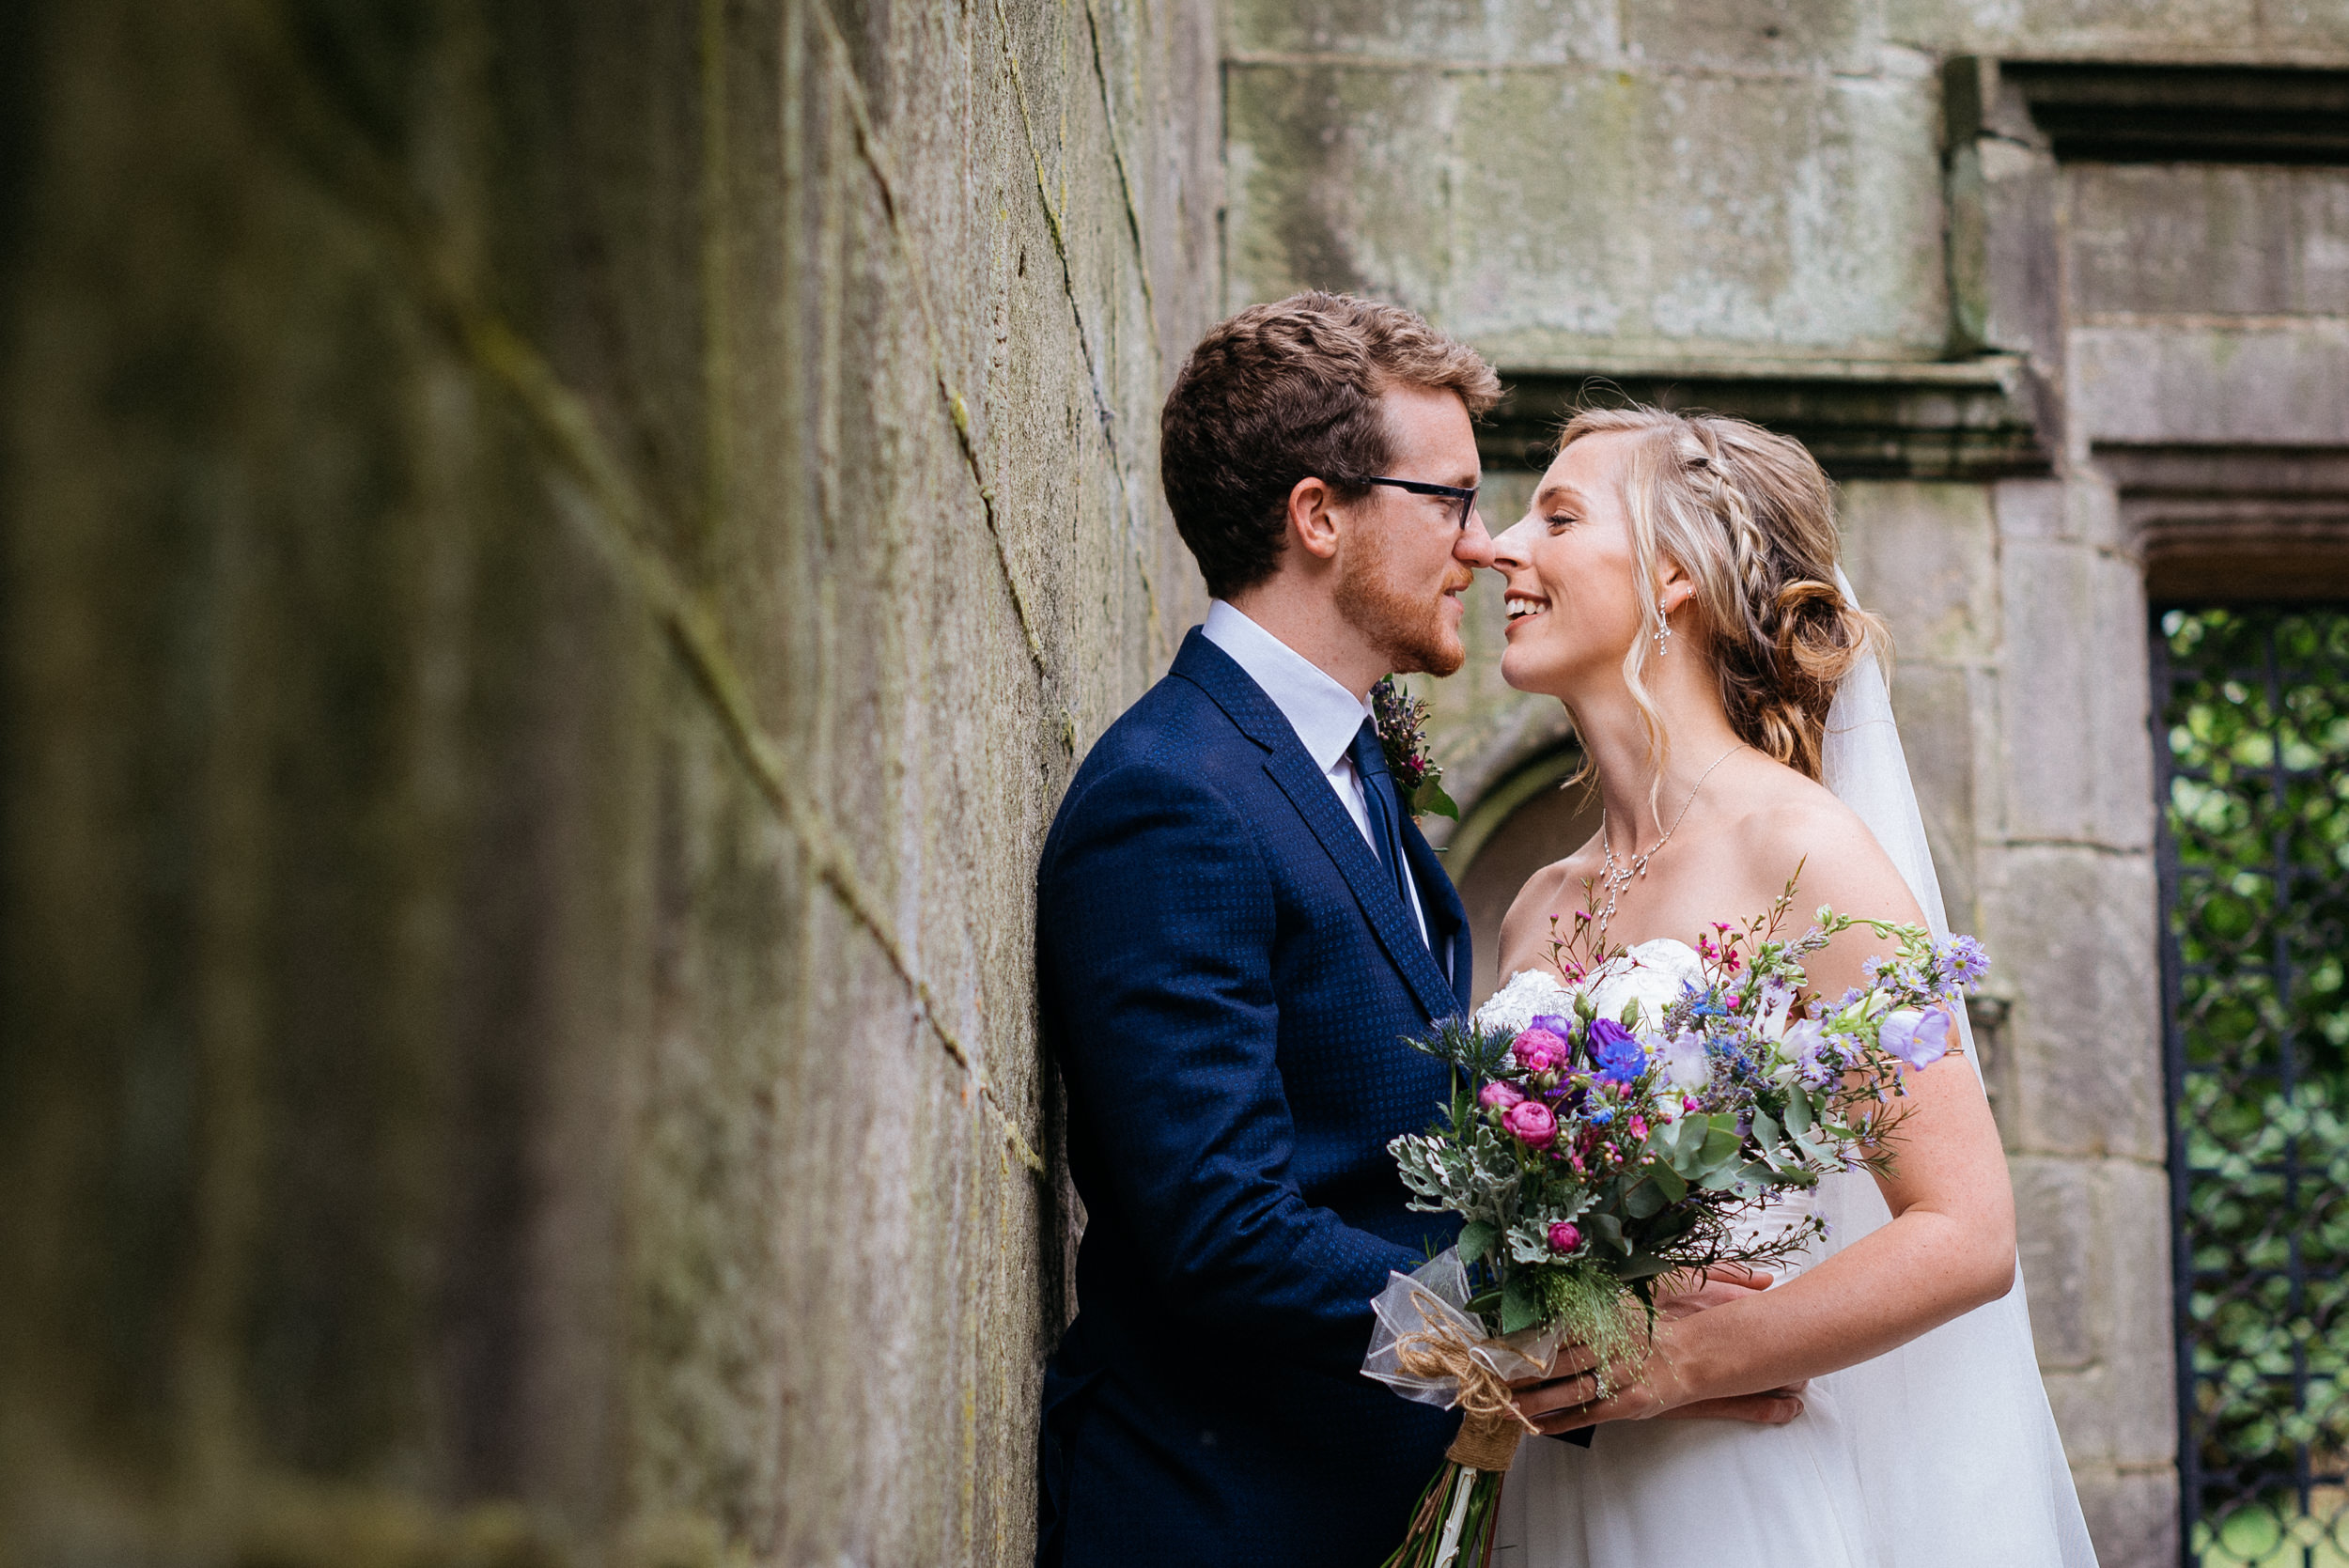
[1237, 923]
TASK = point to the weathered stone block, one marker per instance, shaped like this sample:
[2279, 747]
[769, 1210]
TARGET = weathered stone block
[1939, 724]
[1339, 178]
[2313, 24]
[2201, 239]
[1514, 33]
[2104, 1229]
[2132, 1515]
[2122, 29]
[1925, 556]
[2192, 382]
[2031, 509]
[2130, 1224]
[1623, 216]
[2071, 931]
[2078, 763]
[2052, 1218]
[1839, 35]
[2005, 277]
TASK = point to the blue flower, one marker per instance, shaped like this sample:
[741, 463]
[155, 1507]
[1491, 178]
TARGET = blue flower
[1615, 1051]
[1600, 1115]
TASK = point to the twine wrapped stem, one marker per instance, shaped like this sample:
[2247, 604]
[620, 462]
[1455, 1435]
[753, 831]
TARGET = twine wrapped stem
[1494, 1425]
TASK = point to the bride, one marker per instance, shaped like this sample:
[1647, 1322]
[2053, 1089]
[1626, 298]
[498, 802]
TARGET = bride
[1675, 584]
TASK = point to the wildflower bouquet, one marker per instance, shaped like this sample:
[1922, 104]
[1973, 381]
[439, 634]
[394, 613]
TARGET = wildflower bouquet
[1594, 1149]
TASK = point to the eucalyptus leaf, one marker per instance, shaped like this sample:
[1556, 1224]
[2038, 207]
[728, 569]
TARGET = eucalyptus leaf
[1668, 1182]
[1520, 1303]
[1476, 1239]
[1642, 1201]
[1799, 1112]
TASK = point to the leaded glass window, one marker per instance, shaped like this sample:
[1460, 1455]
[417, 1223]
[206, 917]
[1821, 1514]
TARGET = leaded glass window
[2253, 706]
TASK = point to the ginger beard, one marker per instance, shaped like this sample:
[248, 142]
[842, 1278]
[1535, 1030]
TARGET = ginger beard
[1407, 626]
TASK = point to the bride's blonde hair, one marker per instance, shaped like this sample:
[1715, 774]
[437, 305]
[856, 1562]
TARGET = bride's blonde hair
[1750, 517]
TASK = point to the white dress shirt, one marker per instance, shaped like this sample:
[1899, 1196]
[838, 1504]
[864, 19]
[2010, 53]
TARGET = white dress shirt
[1325, 715]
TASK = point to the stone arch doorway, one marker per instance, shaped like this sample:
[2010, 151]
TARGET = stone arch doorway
[1531, 817]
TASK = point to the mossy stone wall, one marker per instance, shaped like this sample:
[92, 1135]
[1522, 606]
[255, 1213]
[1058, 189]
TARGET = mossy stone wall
[555, 560]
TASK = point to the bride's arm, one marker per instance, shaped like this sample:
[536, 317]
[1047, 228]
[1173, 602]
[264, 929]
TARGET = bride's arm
[1948, 1247]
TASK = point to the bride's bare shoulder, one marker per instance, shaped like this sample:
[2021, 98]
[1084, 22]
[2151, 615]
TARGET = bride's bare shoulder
[1558, 889]
[1795, 822]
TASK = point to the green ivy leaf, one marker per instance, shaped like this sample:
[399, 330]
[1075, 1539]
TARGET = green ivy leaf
[1429, 797]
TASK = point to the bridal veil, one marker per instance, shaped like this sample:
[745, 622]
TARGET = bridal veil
[1958, 1457]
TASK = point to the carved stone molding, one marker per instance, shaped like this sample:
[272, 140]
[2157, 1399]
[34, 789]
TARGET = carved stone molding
[2219, 524]
[1969, 420]
[2088, 112]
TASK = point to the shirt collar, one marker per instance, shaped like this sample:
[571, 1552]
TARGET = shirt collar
[1325, 715]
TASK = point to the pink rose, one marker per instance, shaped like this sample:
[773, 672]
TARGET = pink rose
[1530, 1124]
[1538, 1050]
[1498, 1096]
[1564, 1236]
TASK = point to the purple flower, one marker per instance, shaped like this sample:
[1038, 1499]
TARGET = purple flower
[1687, 1061]
[1498, 1096]
[1616, 1051]
[1805, 1038]
[1539, 1050]
[1919, 1039]
[1557, 1023]
[1530, 1124]
[1564, 1236]
[1967, 961]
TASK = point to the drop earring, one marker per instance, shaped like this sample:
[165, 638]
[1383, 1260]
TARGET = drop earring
[1663, 628]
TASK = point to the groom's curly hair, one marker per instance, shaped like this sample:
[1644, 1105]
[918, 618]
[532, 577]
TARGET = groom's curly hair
[1286, 392]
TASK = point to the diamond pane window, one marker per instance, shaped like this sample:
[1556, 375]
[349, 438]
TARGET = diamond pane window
[2253, 705]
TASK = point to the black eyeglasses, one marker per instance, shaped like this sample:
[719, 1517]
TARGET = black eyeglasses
[1467, 498]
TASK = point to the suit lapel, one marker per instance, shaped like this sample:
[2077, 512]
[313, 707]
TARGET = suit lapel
[1244, 702]
[1309, 791]
[1446, 914]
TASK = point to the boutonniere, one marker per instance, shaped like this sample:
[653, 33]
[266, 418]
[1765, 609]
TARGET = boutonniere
[1402, 721]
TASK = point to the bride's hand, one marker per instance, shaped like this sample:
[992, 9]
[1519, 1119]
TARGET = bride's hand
[1646, 1388]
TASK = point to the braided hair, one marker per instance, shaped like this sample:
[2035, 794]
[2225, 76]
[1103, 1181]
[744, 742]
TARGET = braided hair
[1749, 518]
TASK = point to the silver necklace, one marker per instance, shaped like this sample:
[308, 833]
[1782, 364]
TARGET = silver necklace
[1616, 877]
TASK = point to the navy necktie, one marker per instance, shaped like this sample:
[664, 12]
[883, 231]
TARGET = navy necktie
[1386, 811]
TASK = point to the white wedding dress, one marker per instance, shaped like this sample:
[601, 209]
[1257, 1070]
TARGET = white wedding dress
[1941, 1453]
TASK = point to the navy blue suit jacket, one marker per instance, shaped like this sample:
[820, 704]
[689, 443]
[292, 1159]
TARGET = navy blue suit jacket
[1226, 975]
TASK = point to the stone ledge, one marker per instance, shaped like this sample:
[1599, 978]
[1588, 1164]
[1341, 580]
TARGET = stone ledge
[2217, 524]
[1967, 420]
